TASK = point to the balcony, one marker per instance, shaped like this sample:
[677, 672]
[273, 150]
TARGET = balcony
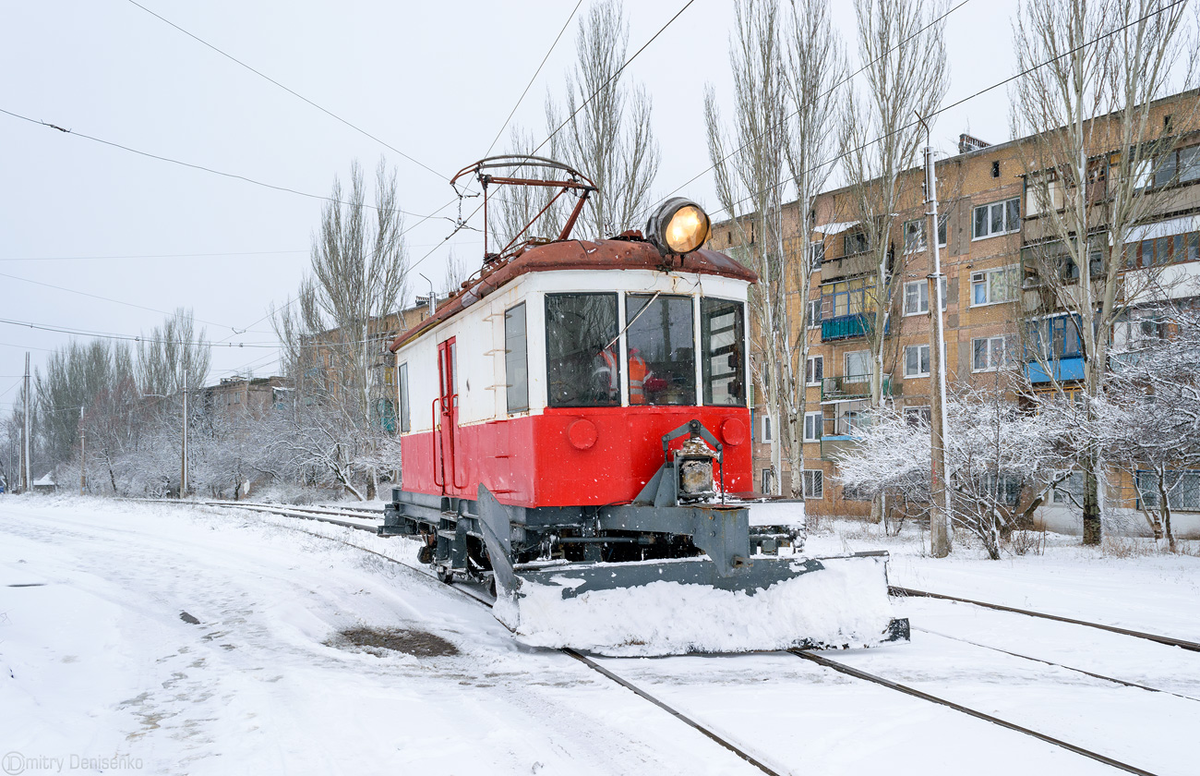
[840, 432]
[1063, 369]
[844, 327]
[851, 387]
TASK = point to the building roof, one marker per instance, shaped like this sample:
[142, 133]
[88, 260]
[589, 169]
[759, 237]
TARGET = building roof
[630, 251]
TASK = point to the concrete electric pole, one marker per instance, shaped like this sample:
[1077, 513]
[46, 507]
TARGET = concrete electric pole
[940, 532]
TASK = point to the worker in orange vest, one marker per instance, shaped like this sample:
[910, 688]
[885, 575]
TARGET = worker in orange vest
[637, 377]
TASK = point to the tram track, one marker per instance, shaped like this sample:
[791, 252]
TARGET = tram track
[1167, 640]
[325, 516]
[337, 517]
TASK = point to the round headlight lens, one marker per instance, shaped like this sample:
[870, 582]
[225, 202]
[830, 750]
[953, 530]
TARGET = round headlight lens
[679, 226]
[687, 229]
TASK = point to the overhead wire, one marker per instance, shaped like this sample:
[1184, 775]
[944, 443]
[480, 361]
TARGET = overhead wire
[968, 98]
[121, 256]
[559, 128]
[190, 165]
[116, 301]
[845, 80]
[287, 89]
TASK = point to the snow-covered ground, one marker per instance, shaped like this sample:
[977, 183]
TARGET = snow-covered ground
[97, 661]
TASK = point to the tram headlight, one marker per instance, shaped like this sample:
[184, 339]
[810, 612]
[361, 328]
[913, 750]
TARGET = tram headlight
[678, 226]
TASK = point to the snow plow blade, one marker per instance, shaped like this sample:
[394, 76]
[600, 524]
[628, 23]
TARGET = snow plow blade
[684, 606]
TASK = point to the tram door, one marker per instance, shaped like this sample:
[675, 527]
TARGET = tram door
[447, 420]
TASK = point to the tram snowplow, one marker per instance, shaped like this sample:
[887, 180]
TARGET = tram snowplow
[585, 423]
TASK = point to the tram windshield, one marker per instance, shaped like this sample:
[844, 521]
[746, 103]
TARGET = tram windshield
[583, 365]
[662, 349]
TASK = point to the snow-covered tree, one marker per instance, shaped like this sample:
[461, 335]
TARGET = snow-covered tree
[998, 455]
[1151, 416]
[1092, 72]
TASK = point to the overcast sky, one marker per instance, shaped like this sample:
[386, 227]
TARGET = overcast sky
[433, 80]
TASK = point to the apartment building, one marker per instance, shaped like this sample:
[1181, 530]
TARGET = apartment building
[988, 220]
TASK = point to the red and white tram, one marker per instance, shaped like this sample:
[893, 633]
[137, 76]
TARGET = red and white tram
[576, 420]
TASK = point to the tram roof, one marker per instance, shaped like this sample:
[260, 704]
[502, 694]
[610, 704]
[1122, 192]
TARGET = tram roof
[626, 252]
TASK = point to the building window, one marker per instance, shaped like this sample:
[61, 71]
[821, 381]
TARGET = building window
[1183, 489]
[814, 484]
[916, 296]
[1159, 251]
[1069, 492]
[721, 341]
[814, 313]
[854, 243]
[989, 354]
[850, 493]
[1005, 489]
[662, 364]
[993, 286]
[405, 414]
[996, 218]
[916, 361]
[847, 297]
[766, 429]
[766, 481]
[814, 370]
[1056, 338]
[918, 416]
[816, 256]
[812, 426]
[516, 362]
[1179, 166]
[583, 364]
[858, 366]
[914, 234]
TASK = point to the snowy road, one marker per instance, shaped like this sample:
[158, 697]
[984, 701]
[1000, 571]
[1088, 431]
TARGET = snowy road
[97, 662]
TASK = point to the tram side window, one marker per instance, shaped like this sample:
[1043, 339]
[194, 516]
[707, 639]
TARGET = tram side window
[516, 362]
[583, 365]
[722, 334]
[661, 347]
[405, 417]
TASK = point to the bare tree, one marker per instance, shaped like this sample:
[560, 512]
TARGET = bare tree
[906, 77]
[172, 354]
[607, 135]
[73, 377]
[332, 334]
[1093, 71]
[749, 168]
[816, 68]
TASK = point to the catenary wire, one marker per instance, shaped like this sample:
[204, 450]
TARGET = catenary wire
[290, 91]
[118, 301]
[826, 95]
[582, 105]
[192, 166]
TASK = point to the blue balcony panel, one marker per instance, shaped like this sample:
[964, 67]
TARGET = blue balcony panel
[1063, 369]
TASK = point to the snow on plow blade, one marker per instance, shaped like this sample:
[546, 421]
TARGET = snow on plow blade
[682, 606]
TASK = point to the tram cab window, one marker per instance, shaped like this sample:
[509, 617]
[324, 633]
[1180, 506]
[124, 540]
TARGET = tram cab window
[583, 364]
[722, 334]
[516, 362]
[662, 349]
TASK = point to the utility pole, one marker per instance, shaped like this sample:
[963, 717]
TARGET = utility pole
[183, 464]
[26, 433]
[82, 454]
[940, 532]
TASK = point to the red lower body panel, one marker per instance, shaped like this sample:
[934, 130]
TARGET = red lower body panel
[554, 459]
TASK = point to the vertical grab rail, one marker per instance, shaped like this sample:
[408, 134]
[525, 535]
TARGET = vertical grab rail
[437, 432]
